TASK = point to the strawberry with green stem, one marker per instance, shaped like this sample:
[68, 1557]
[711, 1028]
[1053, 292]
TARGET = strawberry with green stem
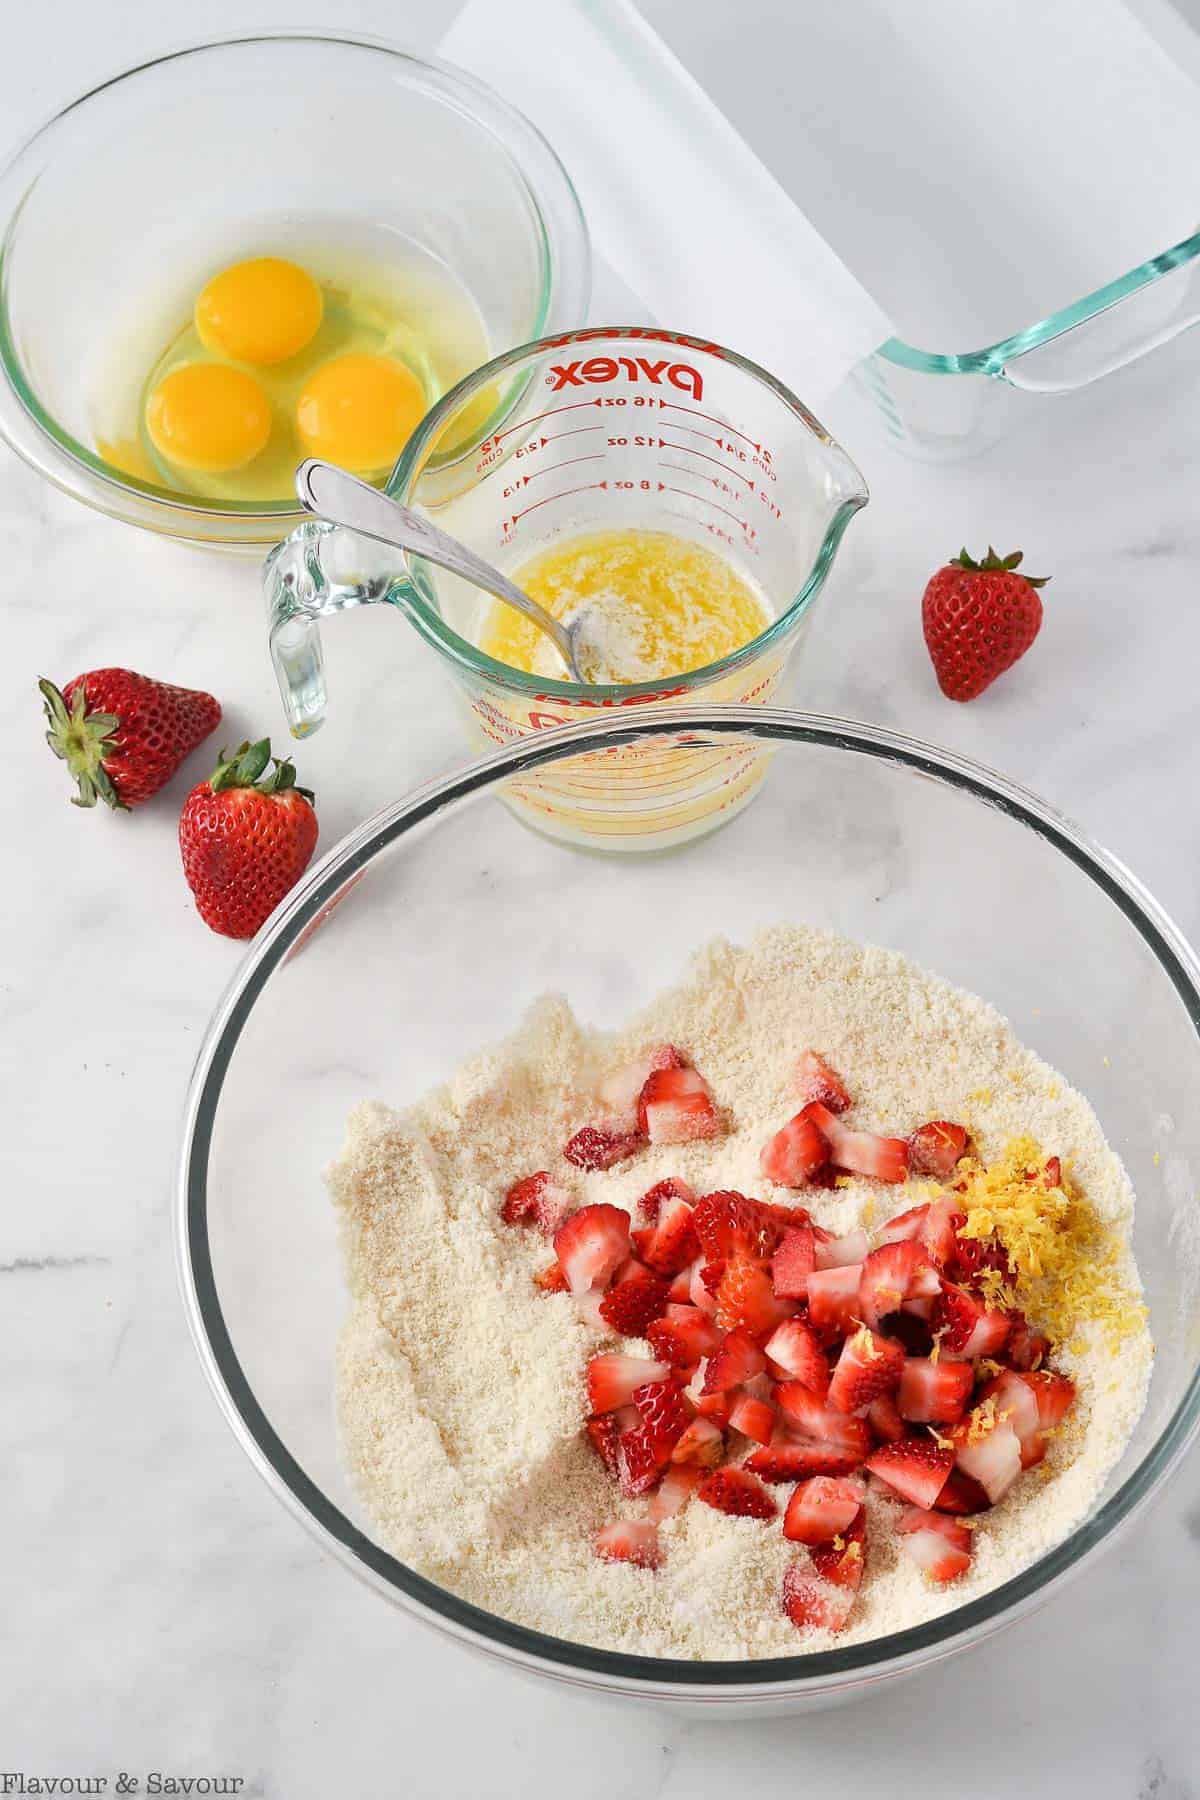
[122, 735]
[246, 837]
[979, 618]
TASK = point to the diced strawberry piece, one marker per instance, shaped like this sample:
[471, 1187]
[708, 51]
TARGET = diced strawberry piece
[916, 1467]
[733, 1490]
[795, 1459]
[753, 1418]
[987, 1448]
[973, 1255]
[536, 1200]
[664, 1413]
[699, 1293]
[600, 1147]
[591, 1246]
[620, 1092]
[967, 1327]
[793, 1350]
[676, 1107]
[883, 1417]
[1026, 1348]
[933, 1393]
[680, 1290]
[938, 1231]
[737, 1361]
[682, 1336]
[938, 1546]
[892, 1276]
[860, 1152]
[634, 1302]
[588, 1307]
[1055, 1395]
[672, 1244]
[674, 1491]
[728, 1223]
[905, 1225]
[962, 1494]
[793, 1156]
[936, 1149]
[632, 1541]
[869, 1365]
[842, 1252]
[1016, 1402]
[711, 1276]
[811, 1419]
[613, 1378]
[746, 1299]
[639, 1462]
[822, 1508]
[793, 1262]
[815, 1080]
[702, 1444]
[669, 1189]
[841, 1562]
[812, 1602]
[603, 1432]
[833, 1297]
[552, 1280]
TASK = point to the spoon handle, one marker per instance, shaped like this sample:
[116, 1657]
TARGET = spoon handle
[334, 494]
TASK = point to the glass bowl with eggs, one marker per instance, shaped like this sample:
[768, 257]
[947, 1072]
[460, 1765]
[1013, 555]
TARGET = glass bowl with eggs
[260, 249]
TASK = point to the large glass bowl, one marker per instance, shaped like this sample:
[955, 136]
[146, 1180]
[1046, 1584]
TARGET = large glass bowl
[456, 917]
[117, 211]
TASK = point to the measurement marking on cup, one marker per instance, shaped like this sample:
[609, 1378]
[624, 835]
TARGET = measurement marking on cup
[666, 444]
[548, 469]
[524, 424]
[506, 525]
[665, 488]
[674, 406]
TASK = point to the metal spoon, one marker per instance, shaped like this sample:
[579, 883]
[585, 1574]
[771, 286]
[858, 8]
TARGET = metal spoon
[334, 494]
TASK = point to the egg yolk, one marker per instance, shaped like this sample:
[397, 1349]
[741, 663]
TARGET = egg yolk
[260, 311]
[208, 416]
[359, 410]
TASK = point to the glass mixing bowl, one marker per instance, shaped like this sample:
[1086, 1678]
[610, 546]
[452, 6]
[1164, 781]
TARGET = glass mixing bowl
[458, 918]
[287, 127]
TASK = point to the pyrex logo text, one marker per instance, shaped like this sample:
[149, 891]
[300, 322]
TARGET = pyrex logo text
[605, 368]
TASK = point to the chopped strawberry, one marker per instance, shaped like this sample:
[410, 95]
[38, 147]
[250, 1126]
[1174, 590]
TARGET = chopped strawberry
[600, 1146]
[699, 1293]
[795, 1459]
[1026, 1348]
[702, 1444]
[713, 1406]
[860, 1152]
[815, 1080]
[962, 1494]
[664, 1413]
[938, 1546]
[833, 1297]
[968, 1327]
[588, 1306]
[811, 1420]
[916, 1467]
[905, 1225]
[987, 1448]
[733, 1490]
[891, 1275]
[613, 1378]
[793, 1262]
[591, 1246]
[727, 1222]
[938, 1231]
[674, 1491]
[669, 1189]
[822, 1508]
[632, 1541]
[536, 1200]
[711, 1276]
[676, 1107]
[973, 1255]
[634, 1302]
[932, 1393]
[551, 1280]
[738, 1360]
[796, 1152]
[883, 1417]
[680, 1291]
[811, 1601]
[936, 1149]
[869, 1365]
[842, 1252]
[793, 1350]
[620, 1092]
[841, 1561]
[753, 1418]
[682, 1336]
[603, 1432]
[639, 1461]
[672, 1244]
[1016, 1402]
[1054, 1394]
[747, 1300]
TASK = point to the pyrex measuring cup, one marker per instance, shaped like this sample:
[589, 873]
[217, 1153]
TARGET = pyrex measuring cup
[598, 429]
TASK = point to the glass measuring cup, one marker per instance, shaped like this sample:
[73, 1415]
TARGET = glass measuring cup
[598, 429]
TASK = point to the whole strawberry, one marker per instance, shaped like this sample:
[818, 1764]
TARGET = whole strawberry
[246, 838]
[979, 619]
[123, 735]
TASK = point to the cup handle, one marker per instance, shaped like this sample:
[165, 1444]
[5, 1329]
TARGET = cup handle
[318, 570]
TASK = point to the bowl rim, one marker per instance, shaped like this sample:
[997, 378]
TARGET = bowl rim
[564, 274]
[778, 1678]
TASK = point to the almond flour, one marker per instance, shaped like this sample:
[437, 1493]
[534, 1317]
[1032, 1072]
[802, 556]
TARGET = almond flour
[460, 1385]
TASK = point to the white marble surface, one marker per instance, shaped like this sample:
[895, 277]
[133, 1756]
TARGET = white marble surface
[160, 1611]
